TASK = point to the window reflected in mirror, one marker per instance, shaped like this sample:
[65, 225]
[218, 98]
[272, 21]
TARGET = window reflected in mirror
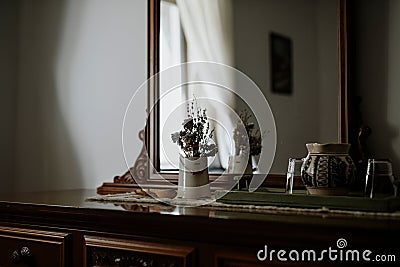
[236, 33]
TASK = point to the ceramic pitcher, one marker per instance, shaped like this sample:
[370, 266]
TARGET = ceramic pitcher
[328, 169]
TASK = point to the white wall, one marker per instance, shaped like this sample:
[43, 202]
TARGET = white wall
[377, 32]
[309, 114]
[8, 84]
[79, 63]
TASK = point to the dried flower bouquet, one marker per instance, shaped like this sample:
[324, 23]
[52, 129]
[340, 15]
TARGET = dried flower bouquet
[195, 139]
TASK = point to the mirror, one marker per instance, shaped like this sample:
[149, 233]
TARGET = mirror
[310, 112]
[374, 41]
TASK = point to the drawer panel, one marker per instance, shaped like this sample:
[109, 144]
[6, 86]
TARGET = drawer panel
[102, 251]
[26, 247]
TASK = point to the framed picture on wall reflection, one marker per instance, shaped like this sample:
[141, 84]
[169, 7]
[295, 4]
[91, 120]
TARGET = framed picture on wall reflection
[281, 63]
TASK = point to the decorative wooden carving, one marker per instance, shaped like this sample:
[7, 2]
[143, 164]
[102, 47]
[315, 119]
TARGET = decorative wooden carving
[102, 257]
[106, 257]
[126, 178]
[140, 170]
[103, 251]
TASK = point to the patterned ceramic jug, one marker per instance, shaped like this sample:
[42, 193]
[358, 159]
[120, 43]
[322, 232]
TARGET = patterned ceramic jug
[328, 169]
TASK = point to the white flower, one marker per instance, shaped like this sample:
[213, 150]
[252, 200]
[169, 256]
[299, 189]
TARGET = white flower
[175, 137]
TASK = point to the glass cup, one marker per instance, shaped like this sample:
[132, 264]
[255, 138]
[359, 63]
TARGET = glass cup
[379, 180]
[294, 169]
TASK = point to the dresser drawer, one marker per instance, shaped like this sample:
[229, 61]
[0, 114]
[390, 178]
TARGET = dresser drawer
[108, 252]
[26, 247]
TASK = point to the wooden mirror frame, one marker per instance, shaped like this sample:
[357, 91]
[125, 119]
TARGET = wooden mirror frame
[148, 176]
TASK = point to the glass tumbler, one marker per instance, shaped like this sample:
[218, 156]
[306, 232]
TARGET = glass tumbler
[294, 169]
[379, 180]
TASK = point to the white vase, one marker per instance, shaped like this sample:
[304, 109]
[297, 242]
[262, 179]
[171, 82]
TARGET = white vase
[193, 180]
[240, 164]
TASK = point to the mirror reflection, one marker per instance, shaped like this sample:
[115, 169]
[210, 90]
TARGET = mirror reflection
[374, 53]
[239, 33]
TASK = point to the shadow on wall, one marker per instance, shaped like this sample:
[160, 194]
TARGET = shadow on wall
[46, 158]
[8, 83]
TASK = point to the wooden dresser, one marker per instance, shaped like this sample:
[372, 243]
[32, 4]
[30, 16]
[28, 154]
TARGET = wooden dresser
[62, 229]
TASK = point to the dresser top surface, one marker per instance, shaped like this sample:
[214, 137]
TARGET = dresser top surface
[75, 201]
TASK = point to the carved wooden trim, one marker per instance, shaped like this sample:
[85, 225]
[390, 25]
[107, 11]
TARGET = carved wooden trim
[46, 236]
[140, 170]
[40, 243]
[102, 251]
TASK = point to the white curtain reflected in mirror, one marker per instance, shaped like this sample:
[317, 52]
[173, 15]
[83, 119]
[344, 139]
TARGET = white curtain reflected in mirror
[236, 33]
[172, 53]
[186, 36]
